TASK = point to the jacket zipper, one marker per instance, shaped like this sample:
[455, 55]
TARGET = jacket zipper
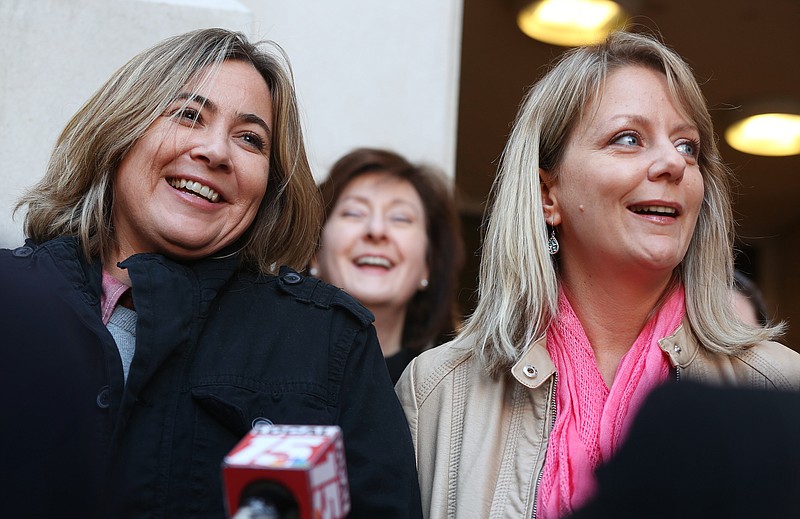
[552, 424]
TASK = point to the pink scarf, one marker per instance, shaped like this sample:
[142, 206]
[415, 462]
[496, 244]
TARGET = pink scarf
[591, 419]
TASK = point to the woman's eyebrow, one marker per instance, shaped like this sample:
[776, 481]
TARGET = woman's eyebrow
[209, 104]
[253, 118]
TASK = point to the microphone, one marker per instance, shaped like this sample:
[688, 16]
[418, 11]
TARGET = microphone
[287, 472]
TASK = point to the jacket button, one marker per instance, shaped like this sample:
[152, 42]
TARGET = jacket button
[104, 398]
[292, 278]
[530, 371]
[22, 252]
[261, 422]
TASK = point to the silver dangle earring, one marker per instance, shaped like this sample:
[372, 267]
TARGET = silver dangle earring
[552, 242]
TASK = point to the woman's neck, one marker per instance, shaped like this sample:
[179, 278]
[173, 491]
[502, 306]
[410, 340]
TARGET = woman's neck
[117, 273]
[613, 312]
[389, 324]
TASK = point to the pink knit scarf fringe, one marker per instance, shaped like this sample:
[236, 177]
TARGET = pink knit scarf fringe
[591, 419]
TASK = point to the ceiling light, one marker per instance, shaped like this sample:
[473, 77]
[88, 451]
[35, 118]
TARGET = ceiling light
[570, 22]
[771, 134]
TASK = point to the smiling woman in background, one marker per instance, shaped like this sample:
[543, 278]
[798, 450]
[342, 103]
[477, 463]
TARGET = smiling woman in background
[146, 326]
[606, 271]
[392, 241]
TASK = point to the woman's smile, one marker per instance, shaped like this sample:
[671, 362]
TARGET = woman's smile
[195, 188]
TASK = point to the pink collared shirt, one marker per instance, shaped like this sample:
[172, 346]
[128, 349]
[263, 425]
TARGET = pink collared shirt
[113, 289]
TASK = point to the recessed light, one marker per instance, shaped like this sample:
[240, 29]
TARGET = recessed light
[771, 134]
[570, 22]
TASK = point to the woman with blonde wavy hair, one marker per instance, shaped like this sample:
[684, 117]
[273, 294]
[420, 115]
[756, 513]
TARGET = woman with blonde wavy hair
[153, 315]
[606, 271]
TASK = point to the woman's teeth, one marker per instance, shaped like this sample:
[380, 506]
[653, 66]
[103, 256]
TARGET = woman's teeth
[195, 187]
[654, 209]
[376, 261]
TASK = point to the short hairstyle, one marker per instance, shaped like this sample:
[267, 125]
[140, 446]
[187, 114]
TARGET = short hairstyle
[75, 196]
[518, 280]
[431, 315]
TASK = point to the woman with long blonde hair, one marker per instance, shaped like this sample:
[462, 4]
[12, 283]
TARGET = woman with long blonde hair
[606, 271]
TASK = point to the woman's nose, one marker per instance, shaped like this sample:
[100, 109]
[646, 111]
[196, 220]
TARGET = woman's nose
[376, 227]
[213, 148]
[668, 163]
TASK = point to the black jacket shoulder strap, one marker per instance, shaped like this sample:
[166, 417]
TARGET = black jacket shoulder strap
[313, 291]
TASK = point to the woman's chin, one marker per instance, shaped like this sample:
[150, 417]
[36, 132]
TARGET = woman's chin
[187, 250]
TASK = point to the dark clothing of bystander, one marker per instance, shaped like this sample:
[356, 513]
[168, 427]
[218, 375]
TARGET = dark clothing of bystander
[697, 451]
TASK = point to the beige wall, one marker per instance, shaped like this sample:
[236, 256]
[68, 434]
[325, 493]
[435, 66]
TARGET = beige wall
[371, 73]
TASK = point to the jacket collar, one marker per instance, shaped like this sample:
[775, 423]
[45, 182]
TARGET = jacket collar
[210, 273]
[157, 277]
[67, 256]
[535, 365]
[681, 347]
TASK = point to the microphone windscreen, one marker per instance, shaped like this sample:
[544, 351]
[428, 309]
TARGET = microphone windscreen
[296, 469]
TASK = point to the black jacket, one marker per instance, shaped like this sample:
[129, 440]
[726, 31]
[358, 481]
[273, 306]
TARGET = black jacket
[216, 350]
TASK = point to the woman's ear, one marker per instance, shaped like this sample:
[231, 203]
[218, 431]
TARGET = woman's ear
[549, 198]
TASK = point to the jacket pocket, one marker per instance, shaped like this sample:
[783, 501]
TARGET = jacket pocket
[238, 408]
[224, 413]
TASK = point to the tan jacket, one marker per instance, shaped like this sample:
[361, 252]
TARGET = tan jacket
[481, 443]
